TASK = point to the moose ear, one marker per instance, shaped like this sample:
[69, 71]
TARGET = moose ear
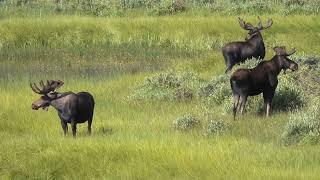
[280, 50]
[260, 23]
[276, 49]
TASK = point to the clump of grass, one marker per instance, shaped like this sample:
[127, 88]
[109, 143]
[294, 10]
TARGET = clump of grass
[217, 90]
[216, 127]
[186, 122]
[304, 126]
[169, 7]
[167, 86]
[155, 7]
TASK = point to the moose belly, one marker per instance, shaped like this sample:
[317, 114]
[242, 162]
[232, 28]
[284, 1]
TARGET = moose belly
[258, 88]
[255, 90]
[77, 120]
[254, 93]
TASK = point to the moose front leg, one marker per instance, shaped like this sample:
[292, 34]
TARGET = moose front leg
[64, 127]
[63, 123]
[267, 97]
[74, 127]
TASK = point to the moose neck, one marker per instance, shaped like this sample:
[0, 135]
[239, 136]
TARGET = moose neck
[278, 62]
[256, 40]
[60, 102]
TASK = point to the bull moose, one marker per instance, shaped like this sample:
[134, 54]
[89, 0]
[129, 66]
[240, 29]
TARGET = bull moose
[252, 47]
[261, 79]
[72, 107]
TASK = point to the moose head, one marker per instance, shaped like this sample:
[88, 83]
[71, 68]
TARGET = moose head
[254, 31]
[283, 58]
[47, 91]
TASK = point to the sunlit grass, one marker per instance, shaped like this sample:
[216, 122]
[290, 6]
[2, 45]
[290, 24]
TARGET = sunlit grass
[109, 57]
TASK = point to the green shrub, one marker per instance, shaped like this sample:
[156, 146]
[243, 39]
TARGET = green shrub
[216, 127]
[304, 126]
[157, 7]
[168, 7]
[217, 90]
[289, 95]
[186, 122]
[168, 86]
[293, 2]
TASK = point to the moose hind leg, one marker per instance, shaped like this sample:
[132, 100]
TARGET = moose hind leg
[243, 100]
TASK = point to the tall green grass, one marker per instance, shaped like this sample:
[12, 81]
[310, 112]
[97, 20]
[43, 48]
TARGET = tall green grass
[116, 8]
[109, 57]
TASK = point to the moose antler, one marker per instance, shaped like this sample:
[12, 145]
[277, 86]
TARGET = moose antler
[260, 23]
[50, 86]
[269, 24]
[291, 52]
[281, 51]
[244, 25]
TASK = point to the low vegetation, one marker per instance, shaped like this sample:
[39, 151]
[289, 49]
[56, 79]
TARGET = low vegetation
[186, 122]
[103, 8]
[168, 86]
[216, 127]
[146, 71]
[304, 126]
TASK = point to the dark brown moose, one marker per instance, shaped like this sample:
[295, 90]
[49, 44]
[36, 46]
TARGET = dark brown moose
[261, 79]
[72, 107]
[252, 47]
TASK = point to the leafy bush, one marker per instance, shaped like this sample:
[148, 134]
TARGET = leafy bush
[157, 7]
[168, 86]
[289, 95]
[293, 2]
[304, 126]
[308, 76]
[167, 7]
[216, 127]
[186, 122]
[217, 90]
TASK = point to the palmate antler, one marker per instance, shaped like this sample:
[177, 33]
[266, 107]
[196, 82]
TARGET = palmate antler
[269, 24]
[281, 51]
[45, 89]
[291, 52]
[244, 25]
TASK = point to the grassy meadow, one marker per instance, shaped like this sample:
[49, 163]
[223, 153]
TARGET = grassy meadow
[135, 139]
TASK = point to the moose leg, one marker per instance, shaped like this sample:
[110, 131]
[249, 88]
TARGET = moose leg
[64, 127]
[89, 125]
[74, 127]
[243, 100]
[63, 124]
[267, 97]
[236, 98]
[229, 60]
[229, 67]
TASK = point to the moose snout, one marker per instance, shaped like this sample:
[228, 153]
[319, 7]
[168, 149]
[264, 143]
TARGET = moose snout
[294, 67]
[34, 107]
